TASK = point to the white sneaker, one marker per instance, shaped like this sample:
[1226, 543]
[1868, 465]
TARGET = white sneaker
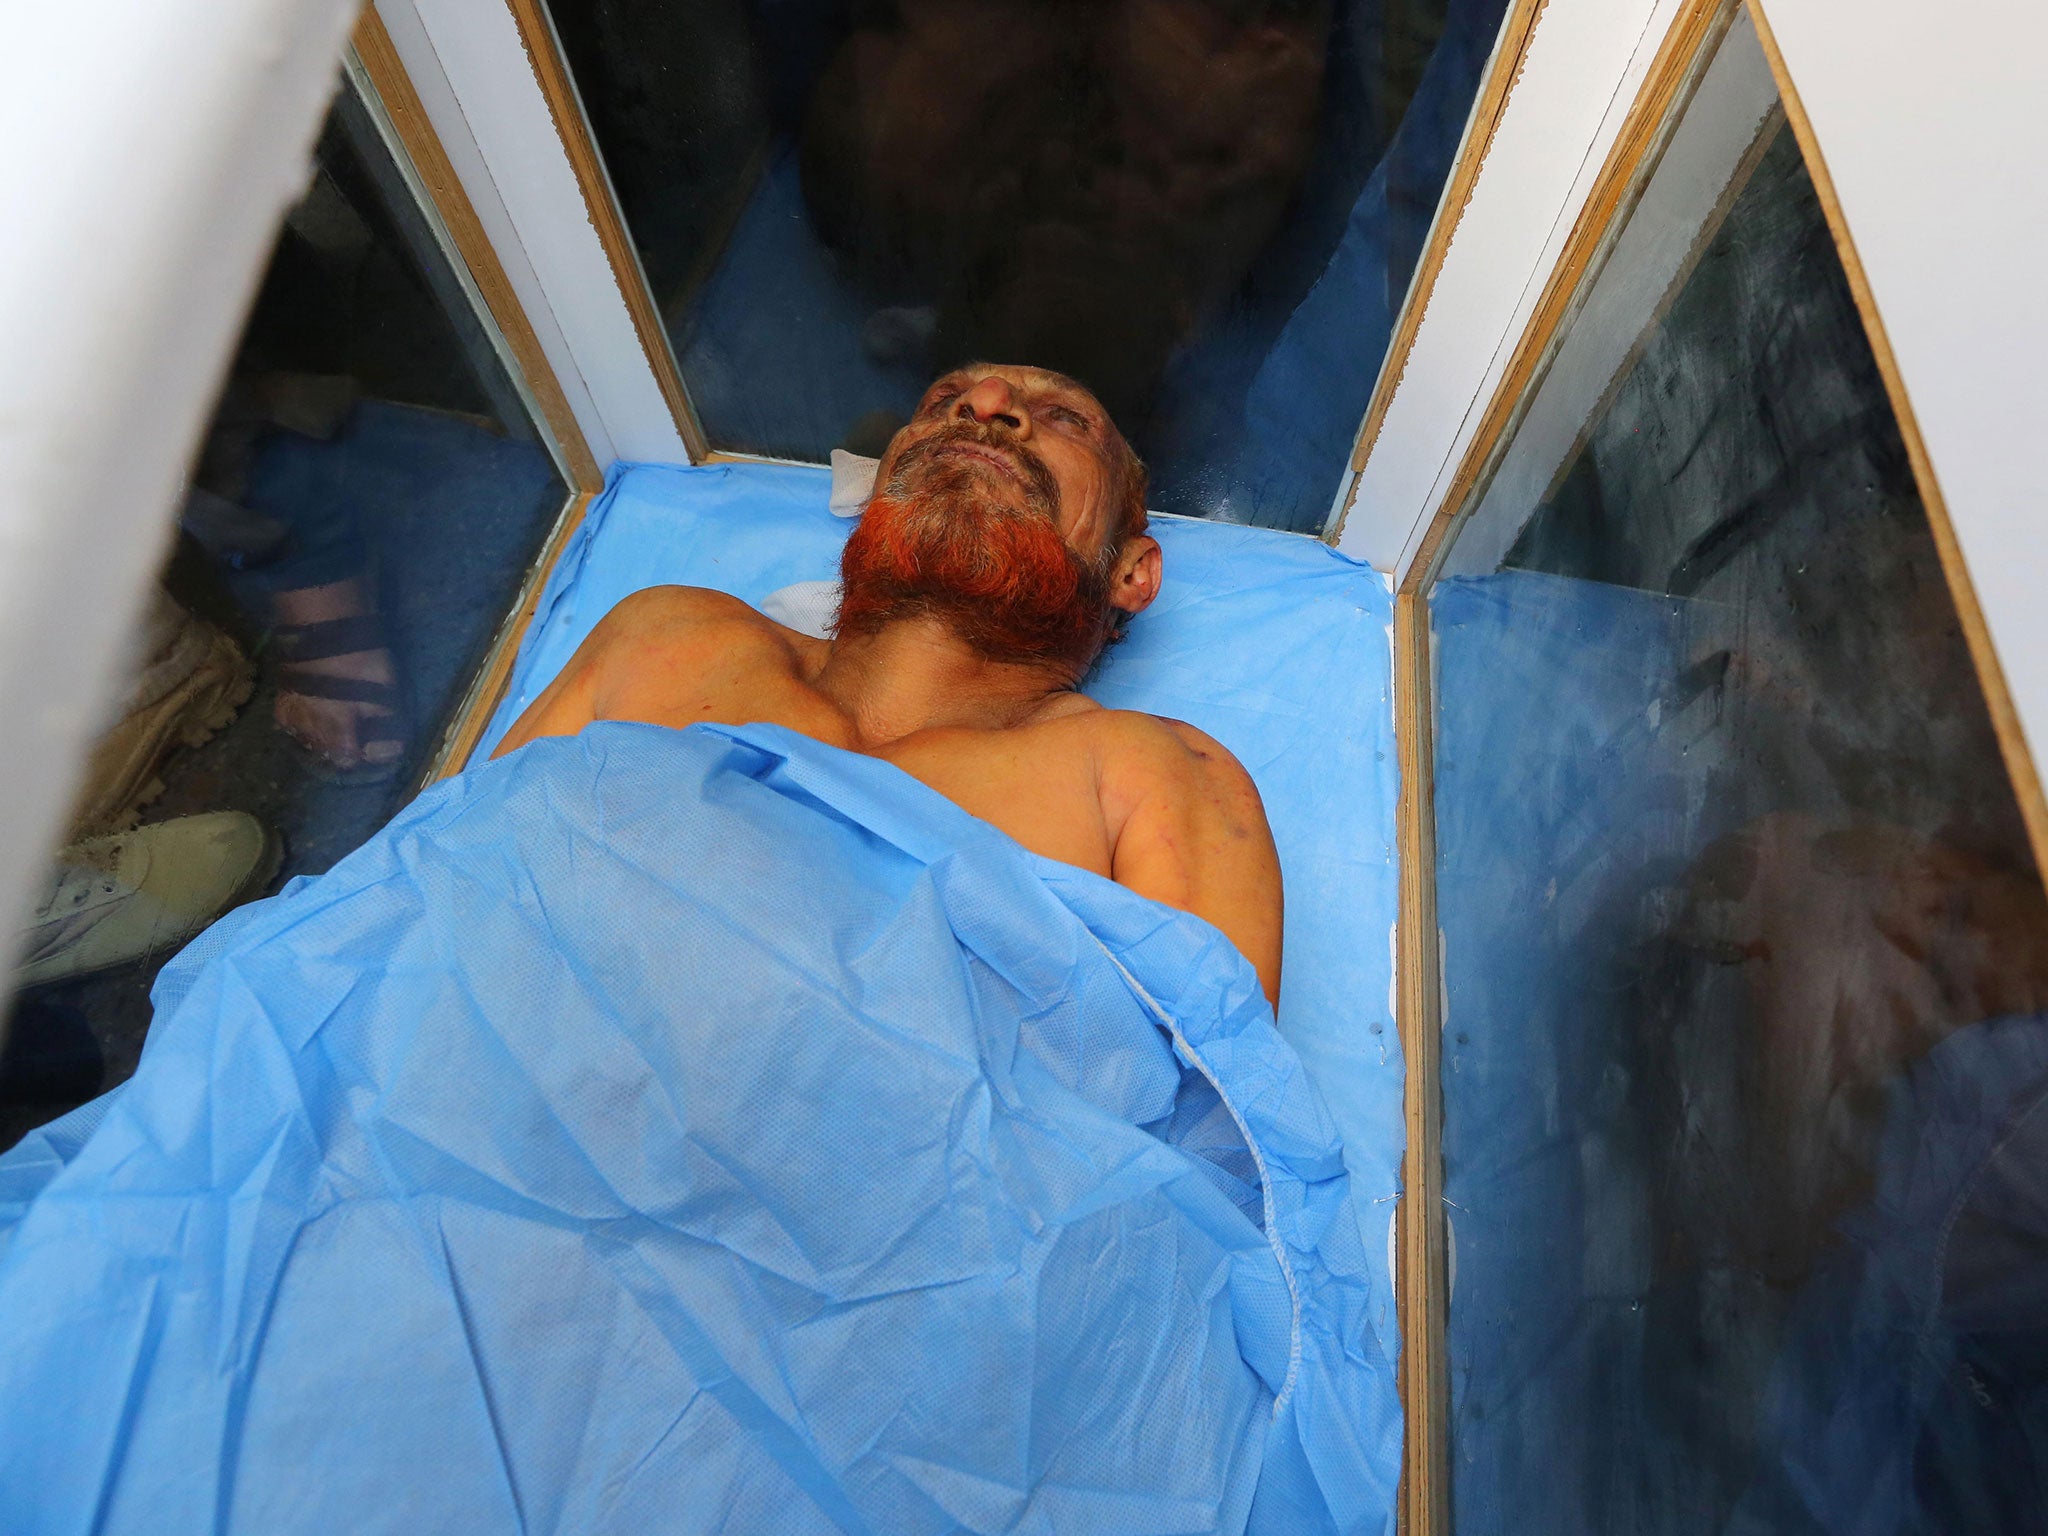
[114, 899]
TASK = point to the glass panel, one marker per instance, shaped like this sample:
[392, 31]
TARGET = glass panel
[370, 468]
[1745, 1034]
[1208, 210]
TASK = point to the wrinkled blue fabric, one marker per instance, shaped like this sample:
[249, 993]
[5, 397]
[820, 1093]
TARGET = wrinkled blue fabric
[698, 1130]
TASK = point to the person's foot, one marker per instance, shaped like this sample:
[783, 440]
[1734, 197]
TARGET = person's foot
[337, 689]
[113, 899]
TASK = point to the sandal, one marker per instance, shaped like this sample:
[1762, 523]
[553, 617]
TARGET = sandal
[384, 719]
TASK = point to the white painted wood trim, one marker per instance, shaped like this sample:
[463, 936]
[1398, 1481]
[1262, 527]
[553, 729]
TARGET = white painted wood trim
[518, 387]
[469, 65]
[1584, 65]
[1932, 121]
[1651, 255]
[415, 49]
[155, 146]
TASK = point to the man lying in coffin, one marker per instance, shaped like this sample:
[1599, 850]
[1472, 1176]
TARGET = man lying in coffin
[796, 1086]
[1004, 544]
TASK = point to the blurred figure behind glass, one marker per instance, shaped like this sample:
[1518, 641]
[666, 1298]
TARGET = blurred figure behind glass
[1074, 183]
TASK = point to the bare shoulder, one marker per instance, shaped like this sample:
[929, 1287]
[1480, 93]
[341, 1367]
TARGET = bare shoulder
[629, 665]
[673, 610]
[667, 618]
[1187, 828]
[1162, 746]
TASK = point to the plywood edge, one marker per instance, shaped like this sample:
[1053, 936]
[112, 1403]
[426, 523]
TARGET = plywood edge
[2005, 720]
[1688, 43]
[1424, 1379]
[487, 691]
[738, 456]
[408, 118]
[551, 71]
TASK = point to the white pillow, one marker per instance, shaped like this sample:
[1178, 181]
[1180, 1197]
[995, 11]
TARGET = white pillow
[853, 482]
[805, 606]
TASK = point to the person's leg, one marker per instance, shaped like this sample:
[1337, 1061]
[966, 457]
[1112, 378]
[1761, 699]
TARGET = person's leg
[277, 450]
[337, 687]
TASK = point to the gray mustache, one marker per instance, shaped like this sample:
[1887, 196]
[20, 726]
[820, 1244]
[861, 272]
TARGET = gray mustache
[1038, 480]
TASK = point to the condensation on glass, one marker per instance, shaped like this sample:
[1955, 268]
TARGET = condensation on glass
[1207, 210]
[368, 499]
[1745, 1010]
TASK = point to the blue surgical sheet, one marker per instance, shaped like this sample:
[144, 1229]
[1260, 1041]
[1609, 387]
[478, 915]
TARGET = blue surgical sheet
[716, 1131]
[1274, 644]
[703, 1130]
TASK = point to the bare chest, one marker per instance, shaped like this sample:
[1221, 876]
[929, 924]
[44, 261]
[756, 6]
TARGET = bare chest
[1037, 783]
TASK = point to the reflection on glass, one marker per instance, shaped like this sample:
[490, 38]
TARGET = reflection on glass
[1208, 210]
[1745, 1056]
[363, 510]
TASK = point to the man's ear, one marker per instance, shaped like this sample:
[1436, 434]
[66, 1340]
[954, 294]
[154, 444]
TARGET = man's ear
[1134, 580]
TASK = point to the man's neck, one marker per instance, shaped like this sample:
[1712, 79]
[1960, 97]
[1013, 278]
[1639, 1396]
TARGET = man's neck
[916, 674]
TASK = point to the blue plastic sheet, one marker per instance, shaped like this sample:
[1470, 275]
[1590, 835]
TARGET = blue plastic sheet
[704, 1131]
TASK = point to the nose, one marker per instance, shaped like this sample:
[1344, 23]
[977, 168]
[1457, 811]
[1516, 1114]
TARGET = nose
[991, 399]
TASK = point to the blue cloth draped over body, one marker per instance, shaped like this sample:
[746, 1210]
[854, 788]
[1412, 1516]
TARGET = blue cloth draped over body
[699, 1130]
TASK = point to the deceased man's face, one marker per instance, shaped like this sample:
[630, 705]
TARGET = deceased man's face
[1003, 506]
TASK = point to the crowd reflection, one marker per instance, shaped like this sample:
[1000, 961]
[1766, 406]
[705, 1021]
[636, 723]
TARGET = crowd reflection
[1076, 184]
[1746, 955]
[1206, 210]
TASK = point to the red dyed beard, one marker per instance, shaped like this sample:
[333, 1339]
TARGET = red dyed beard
[939, 541]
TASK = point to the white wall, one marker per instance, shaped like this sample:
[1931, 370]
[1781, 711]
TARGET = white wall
[469, 65]
[153, 147]
[1933, 123]
[1652, 254]
[1585, 61]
